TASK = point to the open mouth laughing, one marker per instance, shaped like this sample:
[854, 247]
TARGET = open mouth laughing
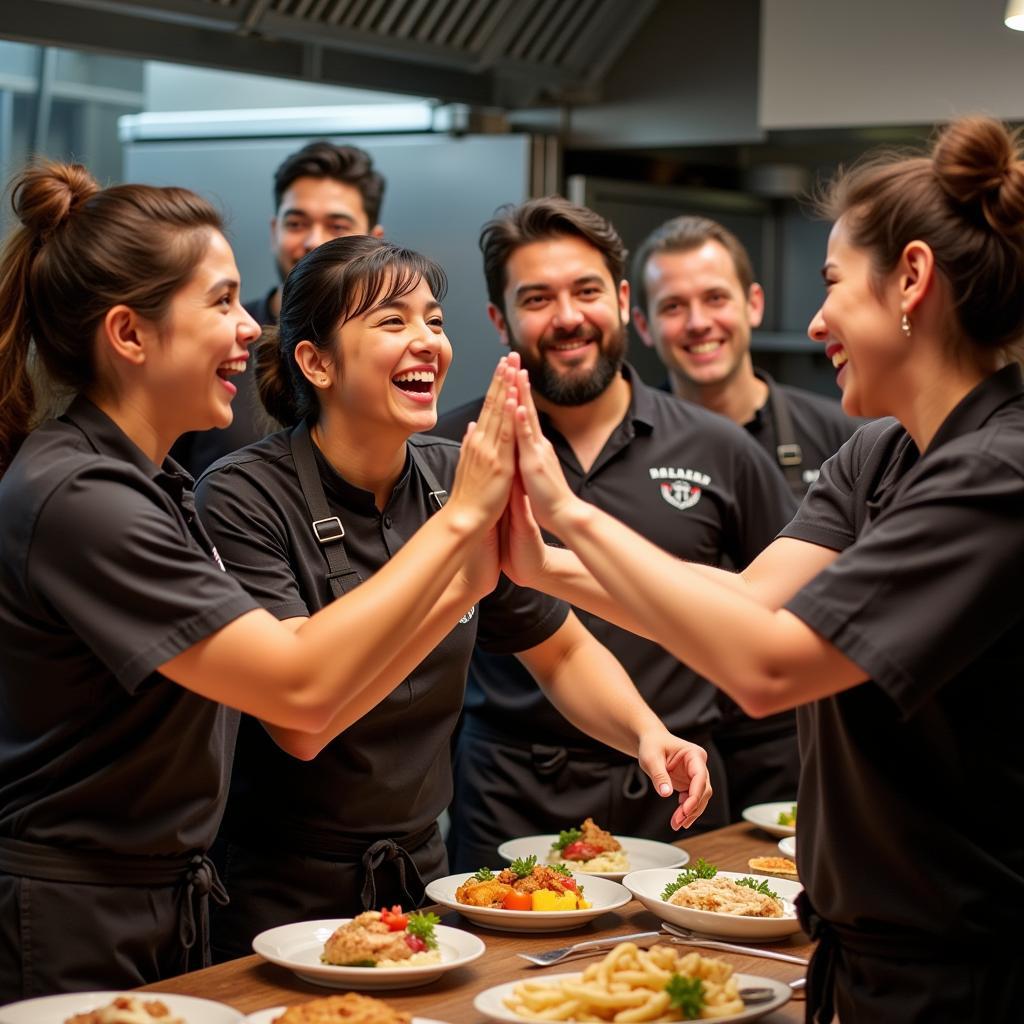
[416, 384]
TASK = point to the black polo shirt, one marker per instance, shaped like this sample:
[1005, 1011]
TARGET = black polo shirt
[691, 482]
[250, 421]
[820, 426]
[913, 782]
[106, 575]
[390, 772]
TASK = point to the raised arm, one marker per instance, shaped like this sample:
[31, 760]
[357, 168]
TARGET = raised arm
[351, 652]
[730, 631]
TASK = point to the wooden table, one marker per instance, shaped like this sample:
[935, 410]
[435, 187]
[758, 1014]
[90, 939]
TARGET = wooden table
[251, 983]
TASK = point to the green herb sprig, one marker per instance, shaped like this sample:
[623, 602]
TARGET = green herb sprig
[524, 866]
[560, 869]
[422, 926]
[686, 994]
[702, 869]
[761, 887]
[570, 835]
[483, 875]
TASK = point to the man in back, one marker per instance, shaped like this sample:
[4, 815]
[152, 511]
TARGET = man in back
[322, 191]
[690, 481]
[696, 304]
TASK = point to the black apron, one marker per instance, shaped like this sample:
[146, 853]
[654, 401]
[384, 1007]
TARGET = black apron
[308, 873]
[85, 919]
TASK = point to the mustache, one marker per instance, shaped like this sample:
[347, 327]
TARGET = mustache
[585, 332]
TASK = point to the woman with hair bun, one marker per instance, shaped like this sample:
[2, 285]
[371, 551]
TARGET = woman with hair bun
[348, 824]
[125, 643]
[889, 610]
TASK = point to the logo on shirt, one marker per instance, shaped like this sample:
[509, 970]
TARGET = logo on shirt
[469, 615]
[810, 475]
[681, 488]
[218, 559]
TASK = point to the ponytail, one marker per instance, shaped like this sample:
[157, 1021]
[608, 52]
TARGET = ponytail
[78, 251]
[274, 379]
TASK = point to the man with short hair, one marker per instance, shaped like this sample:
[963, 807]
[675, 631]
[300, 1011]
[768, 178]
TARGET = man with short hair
[322, 191]
[696, 305]
[690, 481]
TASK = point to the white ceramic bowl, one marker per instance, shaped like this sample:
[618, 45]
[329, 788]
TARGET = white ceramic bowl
[642, 853]
[298, 947]
[647, 887]
[605, 895]
[788, 847]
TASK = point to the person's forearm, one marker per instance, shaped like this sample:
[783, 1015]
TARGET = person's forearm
[442, 618]
[565, 576]
[695, 612]
[591, 688]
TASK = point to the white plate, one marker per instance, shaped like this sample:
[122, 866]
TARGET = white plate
[268, 1015]
[298, 947]
[491, 1002]
[57, 1009]
[788, 847]
[604, 894]
[642, 853]
[647, 887]
[766, 816]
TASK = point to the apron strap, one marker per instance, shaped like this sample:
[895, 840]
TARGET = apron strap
[201, 882]
[788, 452]
[821, 972]
[326, 527]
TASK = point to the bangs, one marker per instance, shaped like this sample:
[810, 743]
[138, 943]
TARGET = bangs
[382, 277]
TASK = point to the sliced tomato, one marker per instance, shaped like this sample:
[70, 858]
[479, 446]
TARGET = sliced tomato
[580, 851]
[569, 883]
[415, 943]
[394, 918]
[518, 901]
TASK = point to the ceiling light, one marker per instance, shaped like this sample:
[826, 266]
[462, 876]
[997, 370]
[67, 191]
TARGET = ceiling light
[1014, 17]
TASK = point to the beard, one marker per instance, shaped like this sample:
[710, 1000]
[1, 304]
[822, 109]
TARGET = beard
[574, 387]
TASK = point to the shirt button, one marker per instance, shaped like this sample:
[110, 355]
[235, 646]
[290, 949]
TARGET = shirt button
[387, 522]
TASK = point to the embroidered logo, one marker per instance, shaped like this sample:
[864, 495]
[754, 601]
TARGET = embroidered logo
[469, 615]
[681, 488]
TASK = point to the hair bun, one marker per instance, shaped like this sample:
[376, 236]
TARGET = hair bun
[978, 165]
[45, 194]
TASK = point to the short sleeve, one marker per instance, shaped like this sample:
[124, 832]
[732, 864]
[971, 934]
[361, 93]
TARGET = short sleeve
[932, 583]
[514, 618]
[119, 567]
[247, 527]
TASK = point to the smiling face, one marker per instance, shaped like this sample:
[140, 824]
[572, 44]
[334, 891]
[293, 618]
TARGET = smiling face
[699, 319]
[391, 364]
[566, 318]
[312, 211]
[203, 342]
[859, 326]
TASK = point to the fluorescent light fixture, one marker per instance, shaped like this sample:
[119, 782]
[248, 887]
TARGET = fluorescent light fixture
[424, 116]
[1014, 17]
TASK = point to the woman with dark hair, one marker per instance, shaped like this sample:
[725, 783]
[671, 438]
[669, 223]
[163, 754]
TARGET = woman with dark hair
[348, 824]
[889, 610]
[125, 643]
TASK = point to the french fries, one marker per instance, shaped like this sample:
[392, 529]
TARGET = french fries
[628, 986]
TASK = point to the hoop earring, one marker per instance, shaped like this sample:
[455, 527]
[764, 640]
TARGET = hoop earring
[905, 325]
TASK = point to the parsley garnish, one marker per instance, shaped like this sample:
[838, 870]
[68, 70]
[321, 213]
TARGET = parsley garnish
[570, 835]
[359, 963]
[788, 817]
[560, 869]
[524, 866]
[686, 994]
[761, 887]
[422, 926]
[483, 875]
[702, 869]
